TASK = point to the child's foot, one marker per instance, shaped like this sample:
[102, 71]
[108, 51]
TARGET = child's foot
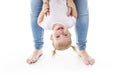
[34, 57]
[86, 58]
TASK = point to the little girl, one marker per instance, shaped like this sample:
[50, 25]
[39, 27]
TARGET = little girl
[59, 22]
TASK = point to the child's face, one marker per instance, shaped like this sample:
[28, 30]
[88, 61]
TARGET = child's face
[60, 34]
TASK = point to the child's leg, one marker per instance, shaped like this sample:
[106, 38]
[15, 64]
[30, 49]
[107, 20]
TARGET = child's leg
[36, 6]
[82, 29]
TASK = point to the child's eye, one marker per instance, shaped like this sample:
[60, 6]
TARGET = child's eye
[58, 29]
[65, 35]
[57, 36]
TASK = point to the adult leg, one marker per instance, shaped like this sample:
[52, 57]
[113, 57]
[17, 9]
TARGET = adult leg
[37, 31]
[82, 29]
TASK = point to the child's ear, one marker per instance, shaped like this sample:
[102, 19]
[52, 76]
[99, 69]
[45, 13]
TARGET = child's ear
[51, 37]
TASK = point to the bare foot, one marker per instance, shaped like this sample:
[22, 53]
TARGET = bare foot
[86, 58]
[34, 57]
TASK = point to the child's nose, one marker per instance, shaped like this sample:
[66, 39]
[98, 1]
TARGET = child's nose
[63, 35]
[61, 32]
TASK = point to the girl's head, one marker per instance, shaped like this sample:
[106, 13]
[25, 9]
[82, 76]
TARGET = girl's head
[61, 37]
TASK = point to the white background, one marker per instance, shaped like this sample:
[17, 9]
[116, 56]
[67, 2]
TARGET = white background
[16, 44]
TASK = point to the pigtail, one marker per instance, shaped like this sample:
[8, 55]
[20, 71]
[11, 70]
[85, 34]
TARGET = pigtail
[54, 52]
[74, 48]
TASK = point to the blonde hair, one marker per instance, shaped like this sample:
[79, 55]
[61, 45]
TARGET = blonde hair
[62, 46]
[73, 47]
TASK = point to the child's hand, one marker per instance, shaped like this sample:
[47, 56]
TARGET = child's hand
[45, 8]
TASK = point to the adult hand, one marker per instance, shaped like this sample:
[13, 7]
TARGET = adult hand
[46, 8]
[69, 4]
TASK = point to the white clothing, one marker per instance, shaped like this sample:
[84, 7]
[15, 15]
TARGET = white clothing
[58, 10]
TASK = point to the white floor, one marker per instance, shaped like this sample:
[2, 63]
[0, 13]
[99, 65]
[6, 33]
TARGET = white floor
[16, 44]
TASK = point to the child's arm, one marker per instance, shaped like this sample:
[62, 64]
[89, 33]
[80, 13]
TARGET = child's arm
[40, 18]
[44, 11]
[71, 4]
